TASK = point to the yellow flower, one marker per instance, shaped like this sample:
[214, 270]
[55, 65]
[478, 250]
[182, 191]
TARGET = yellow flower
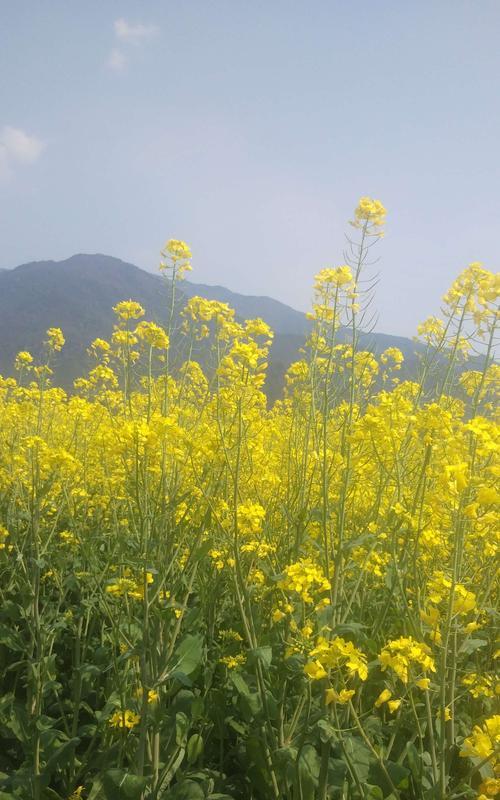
[100, 344]
[233, 662]
[337, 652]
[315, 670]
[458, 475]
[490, 787]
[4, 533]
[124, 719]
[128, 309]
[69, 538]
[23, 359]
[383, 697]
[178, 249]
[153, 695]
[393, 705]
[392, 354]
[431, 616]
[488, 495]
[464, 601]
[472, 626]
[305, 578]
[55, 339]
[152, 334]
[333, 277]
[177, 255]
[370, 212]
[342, 697]
[400, 654]
[480, 685]
[230, 635]
[483, 740]
[423, 683]
[250, 518]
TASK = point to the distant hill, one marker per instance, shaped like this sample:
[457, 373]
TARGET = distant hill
[77, 295]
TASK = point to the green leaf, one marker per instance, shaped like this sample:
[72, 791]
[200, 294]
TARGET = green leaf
[327, 732]
[308, 768]
[60, 758]
[187, 702]
[373, 792]
[181, 728]
[96, 791]
[413, 760]
[194, 748]
[186, 790]
[355, 628]
[219, 796]
[188, 656]
[286, 755]
[255, 754]
[337, 770]
[239, 683]
[262, 654]
[11, 639]
[50, 794]
[90, 671]
[120, 785]
[169, 773]
[471, 645]
[18, 723]
[237, 726]
[251, 705]
[398, 774]
[360, 755]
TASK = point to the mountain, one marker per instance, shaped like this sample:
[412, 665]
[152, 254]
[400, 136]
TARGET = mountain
[77, 295]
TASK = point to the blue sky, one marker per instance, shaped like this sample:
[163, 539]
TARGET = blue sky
[250, 129]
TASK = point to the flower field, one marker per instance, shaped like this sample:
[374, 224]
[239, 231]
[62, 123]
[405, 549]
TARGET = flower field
[204, 597]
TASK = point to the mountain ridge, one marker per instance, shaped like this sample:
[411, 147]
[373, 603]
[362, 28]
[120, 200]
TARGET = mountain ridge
[77, 295]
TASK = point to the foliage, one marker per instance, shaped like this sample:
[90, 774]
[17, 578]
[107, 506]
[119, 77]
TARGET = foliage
[202, 597]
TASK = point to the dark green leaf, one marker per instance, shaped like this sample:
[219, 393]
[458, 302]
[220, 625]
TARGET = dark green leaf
[186, 790]
[308, 768]
[120, 785]
[262, 654]
[194, 748]
[181, 728]
[187, 656]
[471, 645]
[60, 758]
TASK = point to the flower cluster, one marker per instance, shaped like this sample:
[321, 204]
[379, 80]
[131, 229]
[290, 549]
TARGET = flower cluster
[335, 654]
[369, 212]
[484, 740]
[129, 586]
[306, 579]
[403, 654]
[250, 518]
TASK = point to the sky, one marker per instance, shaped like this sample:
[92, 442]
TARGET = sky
[250, 130]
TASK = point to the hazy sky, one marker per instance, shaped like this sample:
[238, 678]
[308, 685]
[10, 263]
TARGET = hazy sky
[250, 128]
